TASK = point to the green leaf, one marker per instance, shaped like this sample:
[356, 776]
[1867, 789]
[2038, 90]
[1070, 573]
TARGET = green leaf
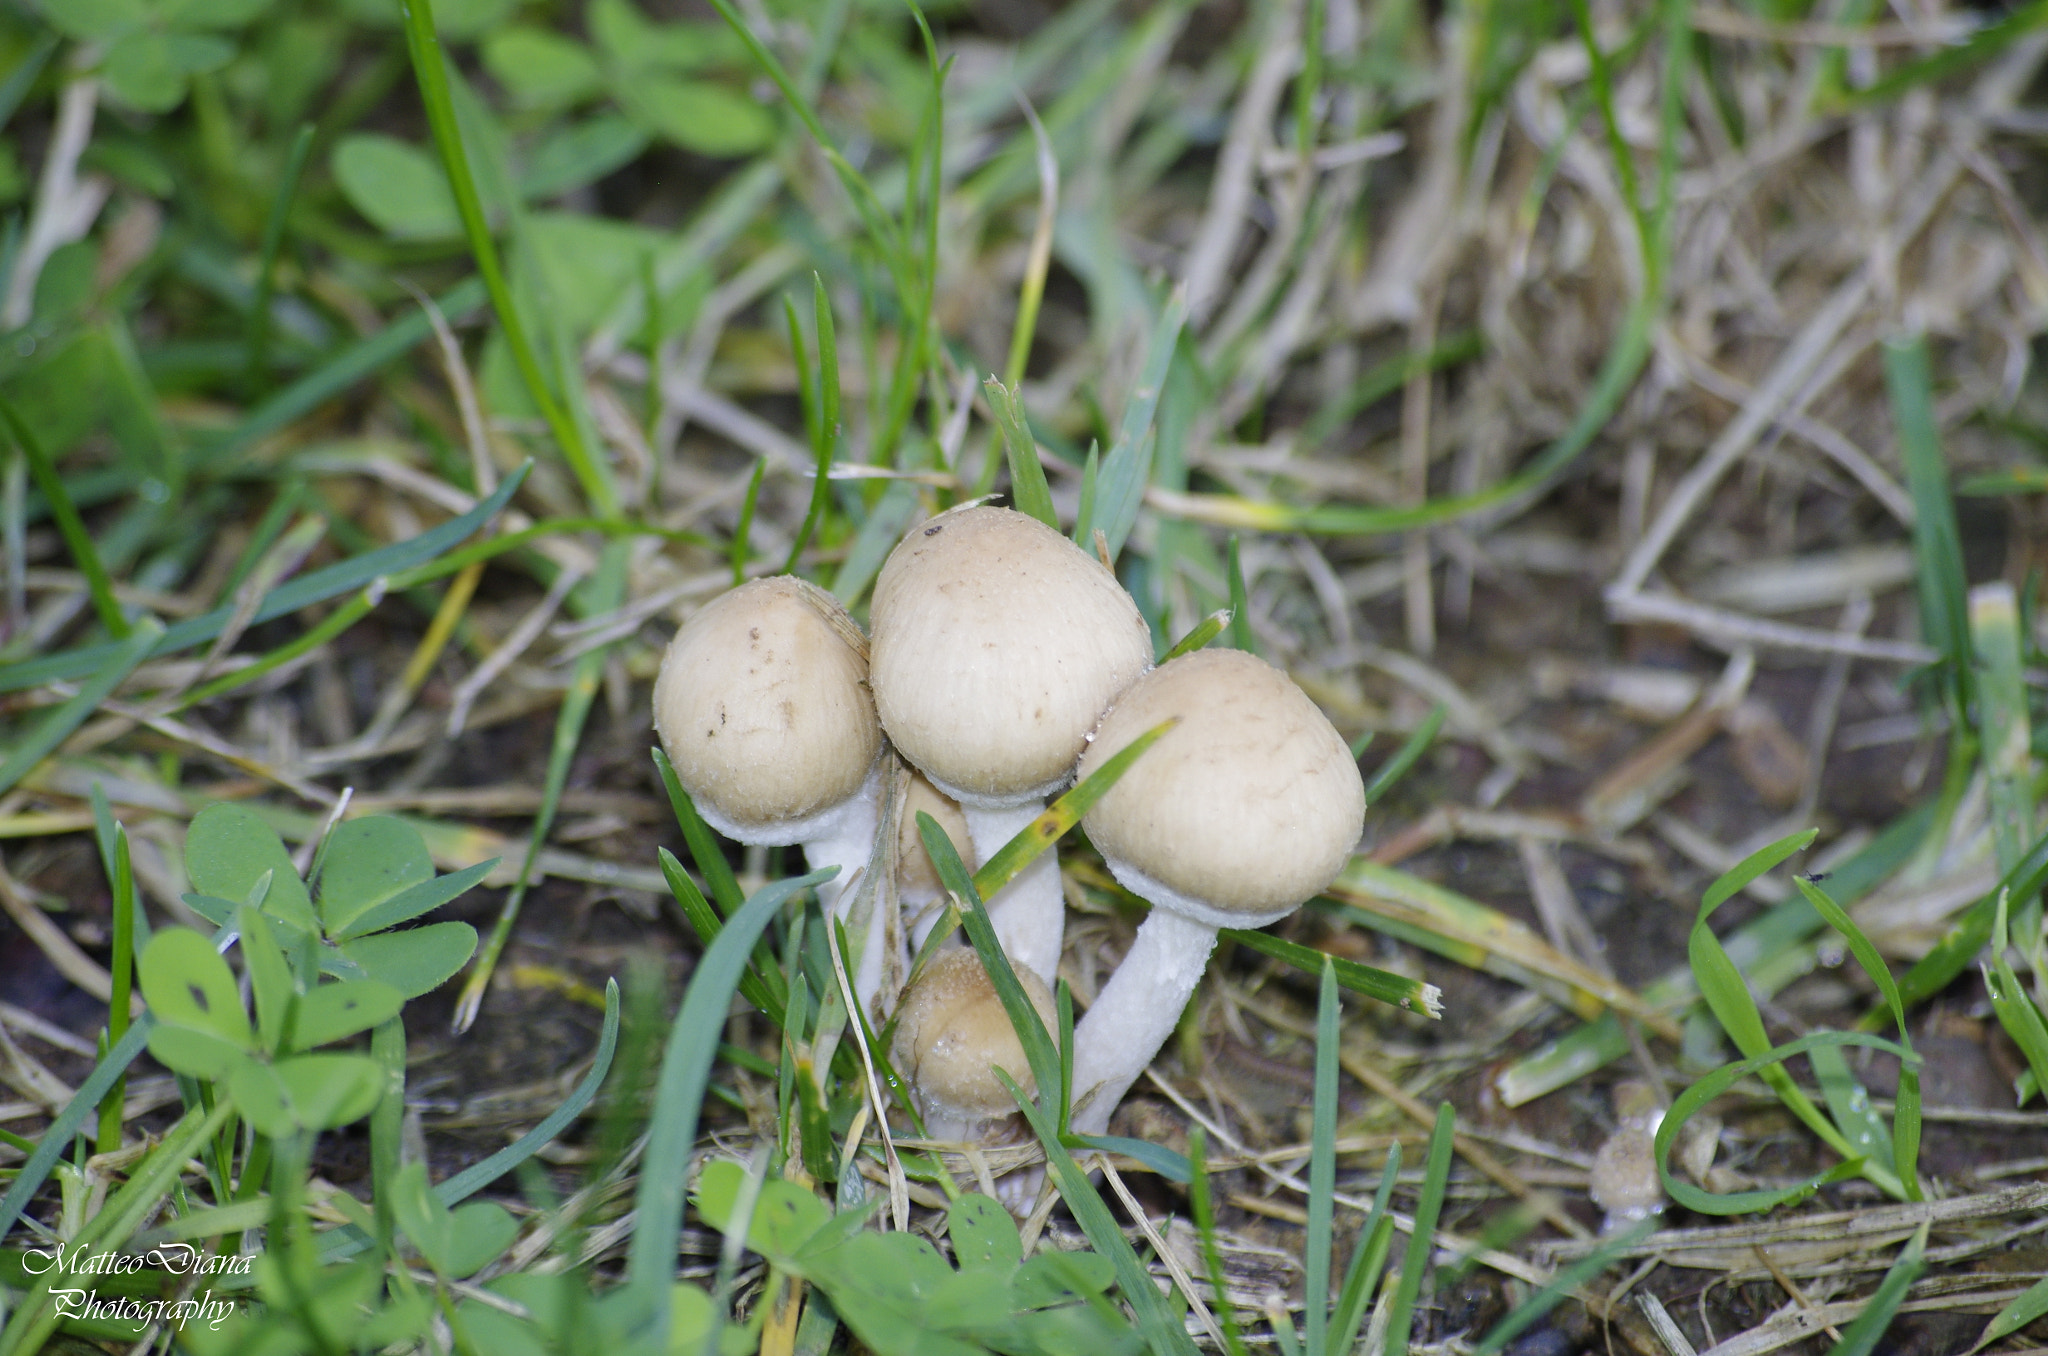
[417, 960]
[333, 1011]
[409, 904]
[260, 1096]
[577, 154]
[227, 850]
[539, 68]
[1049, 1278]
[149, 71]
[631, 42]
[188, 985]
[399, 188]
[270, 975]
[306, 1092]
[212, 13]
[456, 1243]
[586, 262]
[698, 116]
[984, 1236]
[94, 20]
[197, 1053]
[367, 862]
[785, 1219]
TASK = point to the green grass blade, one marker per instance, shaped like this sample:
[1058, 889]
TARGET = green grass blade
[1322, 1165]
[1127, 468]
[823, 412]
[1028, 490]
[1412, 748]
[1436, 1175]
[1039, 1050]
[1205, 631]
[2016, 1011]
[1861, 1337]
[1965, 938]
[76, 539]
[363, 358]
[2004, 732]
[1042, 832]
[1532, 1309]
[1240, 601]
[1411, 995]
[56, 1140]
[1724, 1078]
[429, 67]
[607, 590]
[318, 586]
[1727, 993]
[1986, 43]
[1160, 1326]
[741, 550]
[1904, 1135]
[56, 725]
[1202, 1207]
[1368, 1259]
[1937, 541]
[685, 1073]
[121, 963]
[348, 1240]
[273, 241]
[711, 863]
[2031, 1304]
[1031, 292]
[707, 925]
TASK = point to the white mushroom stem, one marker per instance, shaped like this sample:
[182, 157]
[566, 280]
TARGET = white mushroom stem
[842, 836]
[1029, 914]
[1135, 1013]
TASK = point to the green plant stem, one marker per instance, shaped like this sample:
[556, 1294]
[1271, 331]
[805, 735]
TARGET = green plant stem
[424, 44]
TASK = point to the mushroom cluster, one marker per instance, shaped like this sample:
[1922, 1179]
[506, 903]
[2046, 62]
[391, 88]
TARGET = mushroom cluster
[1004, 662]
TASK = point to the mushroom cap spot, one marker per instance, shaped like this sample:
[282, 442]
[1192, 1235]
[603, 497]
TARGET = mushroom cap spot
[952, 1034]
[762, 703]
[997, 644]
[1251, 804]
[917, 880]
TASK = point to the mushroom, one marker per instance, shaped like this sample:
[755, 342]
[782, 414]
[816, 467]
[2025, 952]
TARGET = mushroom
[1624, 1181]
[1242, 811]
[920, 894]
[997, 645]
[952, 1033]
[763, 708]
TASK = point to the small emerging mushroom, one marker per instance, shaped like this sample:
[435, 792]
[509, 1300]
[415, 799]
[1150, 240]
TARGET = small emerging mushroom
[1624, 1181]
[1242, 811]
[952, 1034]
[997, 644]
[763, 709]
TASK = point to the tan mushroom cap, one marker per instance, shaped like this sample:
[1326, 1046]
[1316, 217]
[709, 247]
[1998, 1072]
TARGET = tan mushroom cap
[917, 880]
[952, 1034]
[762, 704]
[997, 644]
[1246, 808]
